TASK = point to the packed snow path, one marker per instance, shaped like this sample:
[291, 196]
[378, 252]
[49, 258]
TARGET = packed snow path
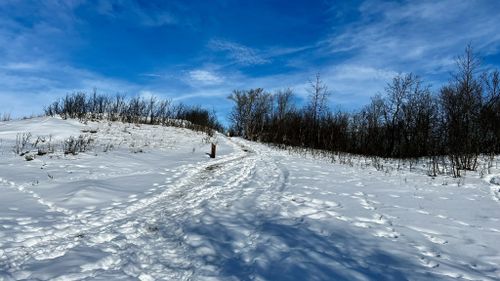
[253, 213]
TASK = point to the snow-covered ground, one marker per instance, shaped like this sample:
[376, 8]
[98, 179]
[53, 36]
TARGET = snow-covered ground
[146, 203]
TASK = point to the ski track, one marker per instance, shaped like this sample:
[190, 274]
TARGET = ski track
[173, 229]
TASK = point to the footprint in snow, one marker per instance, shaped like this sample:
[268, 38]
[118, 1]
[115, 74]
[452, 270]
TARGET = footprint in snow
[361, 224]
[435, 240]
[388, 233]
[297, 200]
[428, 263]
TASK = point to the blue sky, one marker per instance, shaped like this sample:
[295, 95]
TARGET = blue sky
[197, 52]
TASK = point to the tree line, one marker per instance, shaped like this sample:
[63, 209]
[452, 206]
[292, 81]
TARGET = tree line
[137, 109]
[460, 121]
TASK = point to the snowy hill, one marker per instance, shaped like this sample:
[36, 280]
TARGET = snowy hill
[147, 203]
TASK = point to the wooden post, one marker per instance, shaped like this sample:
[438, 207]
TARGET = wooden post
[214, 148]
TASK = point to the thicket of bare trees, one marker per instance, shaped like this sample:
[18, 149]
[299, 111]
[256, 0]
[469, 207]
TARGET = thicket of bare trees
[134, 110]
[408, 121]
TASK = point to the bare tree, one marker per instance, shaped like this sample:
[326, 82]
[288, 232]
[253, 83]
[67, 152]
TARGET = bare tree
[318, 98]
[117, 107]
[152, 109]
[238, 114]
[250, 112]
[490, 113]
[284, 103]
[462, 102]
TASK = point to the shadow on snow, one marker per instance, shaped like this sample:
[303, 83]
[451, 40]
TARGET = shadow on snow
[285, 249]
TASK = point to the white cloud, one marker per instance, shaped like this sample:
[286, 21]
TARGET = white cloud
[205, 77]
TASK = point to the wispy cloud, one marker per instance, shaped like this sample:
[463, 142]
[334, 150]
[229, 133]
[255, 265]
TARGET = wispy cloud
[152, 75]
[349, 72]
[137, 12]
[418, 35]
[240, 54]
[22, 65]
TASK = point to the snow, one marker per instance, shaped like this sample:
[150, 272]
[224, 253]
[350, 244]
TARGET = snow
[147, 203]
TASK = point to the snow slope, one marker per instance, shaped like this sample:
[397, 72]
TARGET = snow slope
[146, 203]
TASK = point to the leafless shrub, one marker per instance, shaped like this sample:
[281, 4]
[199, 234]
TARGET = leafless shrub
[22, 141]
[377, 163]
[434, 168]
[5, 117]
[43, 145]
[31, 116]
[75, 145]
[108, 147]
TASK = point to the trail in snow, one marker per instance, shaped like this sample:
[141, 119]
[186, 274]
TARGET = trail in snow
[93, 228]
[254, 213]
